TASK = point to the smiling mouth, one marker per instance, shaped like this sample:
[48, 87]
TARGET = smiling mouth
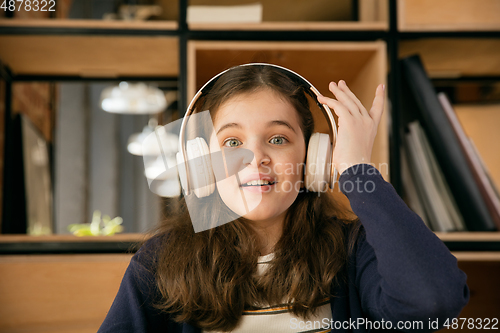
[258, 183]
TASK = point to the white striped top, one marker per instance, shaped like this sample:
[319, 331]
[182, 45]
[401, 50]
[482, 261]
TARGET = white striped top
[278, 318]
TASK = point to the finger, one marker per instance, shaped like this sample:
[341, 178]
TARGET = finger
[378, 104]
[343, 86]
[345, 99]
[340, 109]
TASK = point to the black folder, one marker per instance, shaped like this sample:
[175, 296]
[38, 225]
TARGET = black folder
[447, 147]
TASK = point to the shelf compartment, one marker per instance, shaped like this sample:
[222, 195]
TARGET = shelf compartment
[58, 293]
[448, 15]
[480, 123]
[300, 15]
[361, 64]
[91, 56]
[455, 57]
[482, 272]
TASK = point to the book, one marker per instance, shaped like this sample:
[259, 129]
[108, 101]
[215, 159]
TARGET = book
[251, 13]
[14, 219]
[434, 192]
[479, 169]
[440, 182]
[37, 180]
[446, 145]
[28, 199]
[485, 168]
[412, 196]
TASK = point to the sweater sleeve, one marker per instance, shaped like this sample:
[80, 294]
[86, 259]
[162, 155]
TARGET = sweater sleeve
[404, 272]
[132, 310]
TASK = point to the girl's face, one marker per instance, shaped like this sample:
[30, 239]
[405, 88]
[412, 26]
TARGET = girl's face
[263, 144]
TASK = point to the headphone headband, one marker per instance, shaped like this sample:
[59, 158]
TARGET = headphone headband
[311, 91]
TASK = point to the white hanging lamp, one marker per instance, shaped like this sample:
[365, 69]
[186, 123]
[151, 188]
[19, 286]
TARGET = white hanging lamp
[133, 98]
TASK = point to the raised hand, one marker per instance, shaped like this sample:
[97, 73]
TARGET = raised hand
[356, 126]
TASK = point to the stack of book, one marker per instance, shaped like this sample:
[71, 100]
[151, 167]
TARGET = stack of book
[444, 178]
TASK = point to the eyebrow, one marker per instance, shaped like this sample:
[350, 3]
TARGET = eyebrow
[269, 124]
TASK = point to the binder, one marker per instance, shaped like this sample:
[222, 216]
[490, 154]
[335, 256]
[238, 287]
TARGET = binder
[479, 169]
[447, 147]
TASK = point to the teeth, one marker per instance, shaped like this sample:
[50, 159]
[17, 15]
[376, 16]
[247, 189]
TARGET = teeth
[258, 182]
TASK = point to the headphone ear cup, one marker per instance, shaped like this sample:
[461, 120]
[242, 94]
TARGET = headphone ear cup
[181, 169]
[201, 175]
[318, 161]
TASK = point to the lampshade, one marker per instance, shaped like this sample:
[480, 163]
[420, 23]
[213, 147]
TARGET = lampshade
[169, 188]
[133, 98]
[162, 177]
[159, 168]
[153, 140]
[159, 150]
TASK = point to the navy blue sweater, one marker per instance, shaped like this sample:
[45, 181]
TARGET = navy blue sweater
[399, 273]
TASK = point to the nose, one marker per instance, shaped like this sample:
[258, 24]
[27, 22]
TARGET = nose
[260, 155]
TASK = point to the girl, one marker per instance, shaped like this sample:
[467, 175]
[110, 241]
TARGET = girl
[297, 261]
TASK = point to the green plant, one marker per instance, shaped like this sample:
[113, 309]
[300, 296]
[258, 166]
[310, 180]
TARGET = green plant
[98, 227]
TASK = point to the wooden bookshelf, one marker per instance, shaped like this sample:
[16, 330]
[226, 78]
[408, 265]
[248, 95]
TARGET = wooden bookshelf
[130, 49]
[443, 33]
[112, 56]
[457, 60]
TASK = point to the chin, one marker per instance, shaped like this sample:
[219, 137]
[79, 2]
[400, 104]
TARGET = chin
[261, 215]
[268, 211]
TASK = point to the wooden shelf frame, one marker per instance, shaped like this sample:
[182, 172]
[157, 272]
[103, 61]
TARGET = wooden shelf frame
[88, 261]
[477, 256]
[125, 237]
[481, 243]
[60, 244]
[180, 33]
[89, 24]
[469, 236]
[293, 26]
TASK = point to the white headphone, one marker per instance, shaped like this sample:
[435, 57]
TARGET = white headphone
[199, 177]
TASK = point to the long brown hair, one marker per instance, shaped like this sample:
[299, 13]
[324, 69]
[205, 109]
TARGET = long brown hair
[208, 278]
